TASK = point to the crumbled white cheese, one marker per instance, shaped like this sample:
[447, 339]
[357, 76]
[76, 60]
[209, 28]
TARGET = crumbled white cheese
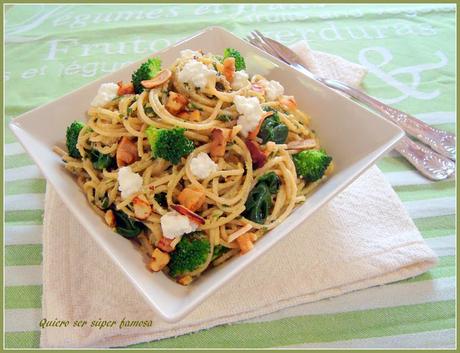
[240, 80]
[189, 54]
[202, 166]
[250, 111]
[174, 225]
[128, 182]
[273, 90]
[196, 72]
[105, 93]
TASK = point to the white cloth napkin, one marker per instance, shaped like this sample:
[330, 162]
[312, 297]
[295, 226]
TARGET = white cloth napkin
[361, 238]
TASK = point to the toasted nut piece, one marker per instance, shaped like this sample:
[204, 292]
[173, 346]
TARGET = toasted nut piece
[110, 218]
[300, 145]
[193, 115]
[229, 68]
[185, 281]
[289, 102]
[240, 232]
[125, 88]
[245, 242]
[176, 102]
[192, 199]
[219, 138]
[165, 244]
[257, 87]
[163, 76]
[190, 214]
[159, 260]
[126, 152]
[141, 206]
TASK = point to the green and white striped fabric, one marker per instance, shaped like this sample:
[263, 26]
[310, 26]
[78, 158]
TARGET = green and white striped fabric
[410, 53]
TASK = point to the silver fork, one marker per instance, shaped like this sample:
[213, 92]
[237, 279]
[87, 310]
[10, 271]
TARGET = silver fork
[429, 163]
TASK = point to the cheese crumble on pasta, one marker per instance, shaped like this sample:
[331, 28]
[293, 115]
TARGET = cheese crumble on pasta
[195, 162]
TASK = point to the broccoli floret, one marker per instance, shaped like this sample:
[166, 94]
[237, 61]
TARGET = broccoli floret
[239, 60]
[169, 144]
[311, 164]
[145, 72]
[190, 253]
[72, 138]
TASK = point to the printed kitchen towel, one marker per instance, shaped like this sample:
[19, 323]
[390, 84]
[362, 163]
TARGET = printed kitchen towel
[361, 238]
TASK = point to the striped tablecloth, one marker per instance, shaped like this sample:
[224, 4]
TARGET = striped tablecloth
[410, 53]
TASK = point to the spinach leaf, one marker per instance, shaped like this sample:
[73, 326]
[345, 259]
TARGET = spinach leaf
[273, 129]
[125, 226]
[272, 181]
[101, 161]
[259, 201]
[161, 199]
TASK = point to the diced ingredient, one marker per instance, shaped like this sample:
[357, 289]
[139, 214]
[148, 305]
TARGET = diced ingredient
[110, 218]
[106, 93]
[176, 102]
[127, 227]
[196, 73]
[202, 166]
[73, 130]
[240, 80]
[185, 280]
[146, 71]
[165, 244]
[258, 157]
[159, 260]
[219, 138]
[273, 90]
[229, 68]
[173, 225]
[251, 113]
[128, 182]
[126, 152]
[311, 164]
[169, 144]
[141, 207]
[190, 253]
[245, 242]
[239, 60]
[194, 115]
[191, 199]
[125, 88]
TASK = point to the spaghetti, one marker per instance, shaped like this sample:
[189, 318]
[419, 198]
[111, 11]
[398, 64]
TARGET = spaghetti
[237, 179]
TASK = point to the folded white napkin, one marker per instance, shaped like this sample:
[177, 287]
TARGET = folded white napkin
[361, 238]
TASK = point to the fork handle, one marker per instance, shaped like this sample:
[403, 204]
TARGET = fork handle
[429, 163]
[441, 141]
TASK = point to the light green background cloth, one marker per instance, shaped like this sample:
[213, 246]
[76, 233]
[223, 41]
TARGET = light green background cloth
[410, 54]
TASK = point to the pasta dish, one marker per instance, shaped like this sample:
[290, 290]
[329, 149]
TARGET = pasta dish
[194, 162]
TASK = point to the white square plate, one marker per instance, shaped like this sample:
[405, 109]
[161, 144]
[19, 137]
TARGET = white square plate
[352, 135]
